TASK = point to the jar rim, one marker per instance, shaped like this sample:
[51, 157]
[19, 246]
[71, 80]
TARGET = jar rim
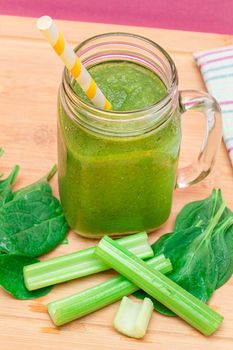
[121, 116]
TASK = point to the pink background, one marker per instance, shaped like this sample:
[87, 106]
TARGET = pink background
[196, 15]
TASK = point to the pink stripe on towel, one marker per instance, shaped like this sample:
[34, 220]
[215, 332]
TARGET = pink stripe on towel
[215, 60]
[212, 52]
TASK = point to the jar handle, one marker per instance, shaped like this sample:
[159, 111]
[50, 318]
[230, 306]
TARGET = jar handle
[192, 100]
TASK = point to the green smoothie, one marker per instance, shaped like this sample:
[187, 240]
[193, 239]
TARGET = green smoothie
[127, 85]
[112, 184]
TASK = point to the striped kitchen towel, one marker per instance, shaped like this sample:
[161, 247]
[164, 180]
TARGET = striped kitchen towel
[217, 70]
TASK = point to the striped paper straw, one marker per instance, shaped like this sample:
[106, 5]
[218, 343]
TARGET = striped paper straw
[66, 53]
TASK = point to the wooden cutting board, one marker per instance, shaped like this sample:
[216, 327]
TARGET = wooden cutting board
[29, 78]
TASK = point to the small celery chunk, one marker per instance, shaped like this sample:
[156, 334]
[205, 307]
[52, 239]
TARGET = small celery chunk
[132, 317]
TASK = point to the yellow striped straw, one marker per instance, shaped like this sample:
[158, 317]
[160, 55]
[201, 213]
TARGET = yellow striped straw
[66, 53]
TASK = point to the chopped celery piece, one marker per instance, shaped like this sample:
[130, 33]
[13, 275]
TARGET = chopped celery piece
[160, 287]
[132, 317]
[89, 300]
[79, 264]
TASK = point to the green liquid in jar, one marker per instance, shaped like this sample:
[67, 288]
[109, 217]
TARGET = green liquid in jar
[118, 185]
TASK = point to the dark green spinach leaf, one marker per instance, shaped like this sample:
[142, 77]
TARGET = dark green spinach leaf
[11, 276]
[10, 179]
[33, 222]
[6, 195]
[41, 185]
[222, 245]
[6, 186]
[31, 219]
[198, 213]
[200, 248]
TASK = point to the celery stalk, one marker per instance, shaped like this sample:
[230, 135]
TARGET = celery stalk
[89, 300]
[132, 318]
[80, 263]
[160, 287]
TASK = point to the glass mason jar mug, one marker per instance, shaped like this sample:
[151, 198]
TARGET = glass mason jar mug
[117, 170]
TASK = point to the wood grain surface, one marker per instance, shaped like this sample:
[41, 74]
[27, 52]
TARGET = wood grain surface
[29, 78]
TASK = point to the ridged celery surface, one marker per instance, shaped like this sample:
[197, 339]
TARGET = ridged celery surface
[89, 300]
[79, 264]
[160, 287]
[132, 317]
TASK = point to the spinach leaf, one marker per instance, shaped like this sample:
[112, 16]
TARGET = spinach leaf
[10, 179]
[11, 276]
[31, 220]
[192, 259]
[6, 195]
[32, 223]
[40, 185]
[199, 213]
[193, 264]
[222, 245]
[200, 248]
[5, 186]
